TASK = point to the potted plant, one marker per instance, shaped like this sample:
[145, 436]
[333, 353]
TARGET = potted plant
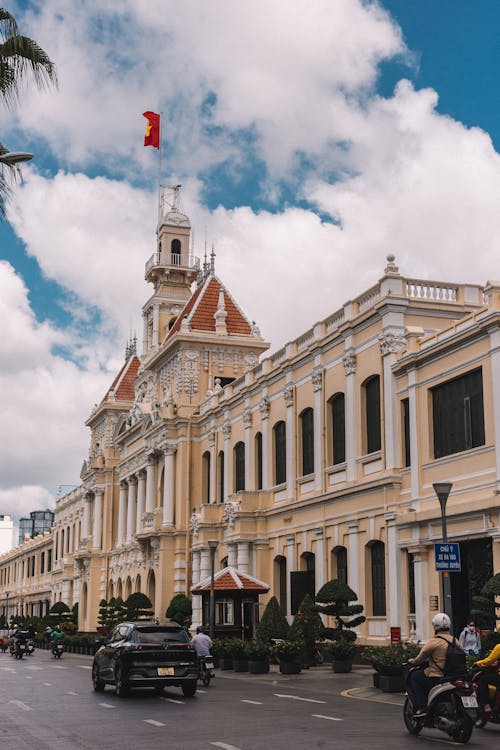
[388, 663]
[240, 659]
[258, 657]
[273, 623]
[224, 653]
[288, 654]
[307, 627]
[342, 652]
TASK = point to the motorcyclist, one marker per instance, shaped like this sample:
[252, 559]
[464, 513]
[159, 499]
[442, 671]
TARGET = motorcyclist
[489, 678]
[56, 635]
[433, 652]
[202, 642]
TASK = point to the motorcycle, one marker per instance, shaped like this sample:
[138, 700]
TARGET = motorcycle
[206, 669]
[57, 649]
[451, 707]
[494, 699]
[19, 648]
[30, 647]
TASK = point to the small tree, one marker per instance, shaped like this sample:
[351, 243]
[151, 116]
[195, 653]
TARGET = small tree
[485, 608]
[334, 599]
[180, 610]
[103, 614]
[58, 613]
[273, 623]
[138, 607]
[307, 627]
[119, 610]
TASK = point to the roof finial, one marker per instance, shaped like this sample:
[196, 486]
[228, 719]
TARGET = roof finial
[391, 267]
[212, 261]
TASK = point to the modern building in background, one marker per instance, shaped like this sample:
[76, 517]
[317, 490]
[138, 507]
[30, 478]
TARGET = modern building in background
[6, 533]
[39, 522]
[313, 463]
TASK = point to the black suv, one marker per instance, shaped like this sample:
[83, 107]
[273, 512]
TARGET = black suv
[143, 654]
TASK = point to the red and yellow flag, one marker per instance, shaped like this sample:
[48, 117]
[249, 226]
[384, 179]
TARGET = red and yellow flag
[152, 135]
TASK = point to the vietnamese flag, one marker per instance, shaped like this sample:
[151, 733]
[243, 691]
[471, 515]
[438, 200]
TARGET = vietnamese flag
[152, 135]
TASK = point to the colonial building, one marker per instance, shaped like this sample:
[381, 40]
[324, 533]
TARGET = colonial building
[313, 463]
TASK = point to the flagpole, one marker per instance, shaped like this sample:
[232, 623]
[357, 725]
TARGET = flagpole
[159, 167]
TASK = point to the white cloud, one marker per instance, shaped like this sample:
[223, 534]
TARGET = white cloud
[20, 501]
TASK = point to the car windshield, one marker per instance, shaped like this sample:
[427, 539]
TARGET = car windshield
[161, 635]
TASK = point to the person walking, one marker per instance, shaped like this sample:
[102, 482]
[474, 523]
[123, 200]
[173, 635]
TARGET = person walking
[470, 639]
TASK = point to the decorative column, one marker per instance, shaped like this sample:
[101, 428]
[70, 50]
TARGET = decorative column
[131, 509]
[414, 458]
[197, 610]
[317, 381]
[204, 563]
[243, 557]
[86, 516]
[156, 325]
[71, 538]
[421, 574]
[232, 558]
[141, 496]
[169, 485]
[290, 566]
[122, 514]
[264, 407]
[391, 340]
[349, 362]
[395, 568]
[213, 468]
[97, 534]
[495, 386]
[353, 565]
[150, 483]
[226, 432]
[247, 424]
[290, 441]
[320, 558]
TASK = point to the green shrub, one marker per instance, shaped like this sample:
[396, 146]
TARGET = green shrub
[180, 609]
[273, 623]
[342, 650]
[256, 651]
[288, 650]
[138, 607]
[335, 599]
[390, 659]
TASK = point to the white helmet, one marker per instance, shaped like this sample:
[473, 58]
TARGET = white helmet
[441, 621]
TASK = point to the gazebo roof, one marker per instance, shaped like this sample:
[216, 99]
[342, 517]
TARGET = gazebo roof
[229, 579]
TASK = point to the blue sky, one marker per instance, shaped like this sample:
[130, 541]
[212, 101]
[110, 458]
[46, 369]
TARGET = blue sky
[362, 129]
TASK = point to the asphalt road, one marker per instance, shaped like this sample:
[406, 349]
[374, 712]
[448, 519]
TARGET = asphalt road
[50, 705]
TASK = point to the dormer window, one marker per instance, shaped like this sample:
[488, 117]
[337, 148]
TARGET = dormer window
[175, 248]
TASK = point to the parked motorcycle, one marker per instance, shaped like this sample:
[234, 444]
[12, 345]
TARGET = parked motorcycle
[57, 650]
[494, 698]
[206, 669]
[451, 707]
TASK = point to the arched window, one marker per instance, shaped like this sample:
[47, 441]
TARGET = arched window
[176, 252]
[279, 431]
[337, 411]
[377, 550]
[341, 564]
[220, 467]
[239, 467]
[205, 477]
[258, 461]
[307, 433]
[372, 414]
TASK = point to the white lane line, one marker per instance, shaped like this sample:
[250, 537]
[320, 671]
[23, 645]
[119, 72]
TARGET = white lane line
[35, 669]
[255, 703]
[70, 692]
[154, 722]
[58, 667]
[8, 669]
[330, 718]
[28, 677]
[83, 666]
[201, 691]
[172, 700]
[298, 698]
[107, 705]
[49, 684]
[438, 739]
[22, 705]
[224, 746]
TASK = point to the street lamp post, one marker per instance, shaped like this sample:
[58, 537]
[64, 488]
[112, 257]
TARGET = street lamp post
[212, 546]
[442, 490]
[12, 158]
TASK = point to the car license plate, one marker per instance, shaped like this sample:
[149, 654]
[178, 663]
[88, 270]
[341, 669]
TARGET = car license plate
[209, 664]
[165, 671]
[469, 701]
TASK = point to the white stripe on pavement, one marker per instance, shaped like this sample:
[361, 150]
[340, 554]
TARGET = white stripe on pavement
[297, 698]
[224, 746]
[83, 666]
[70, 692]
[28, 676]
[331, 718]
[107, 705]
[49, 684]
[255, 703]
[22, 705]
[172, 700]
[154, 722]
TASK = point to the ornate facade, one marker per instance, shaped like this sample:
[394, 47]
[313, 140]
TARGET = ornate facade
[318, 460]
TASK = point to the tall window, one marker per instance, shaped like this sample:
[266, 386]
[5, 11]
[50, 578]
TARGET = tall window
[341, 558]
[239, 467]
[372, 414]
[49, 560]
[279, 430]
[377, 550]
[176, 252]
[458, 414]
[258, 460]
[221, 476]
[307, 431]
[280, 583]
[405, 405]
[337, 405]
[205, 477]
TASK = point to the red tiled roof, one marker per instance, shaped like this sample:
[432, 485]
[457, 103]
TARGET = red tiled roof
[201, 308]
[123, 384]
[229, 579]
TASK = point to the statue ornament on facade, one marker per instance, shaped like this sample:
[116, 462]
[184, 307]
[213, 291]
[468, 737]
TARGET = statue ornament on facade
[231, 509]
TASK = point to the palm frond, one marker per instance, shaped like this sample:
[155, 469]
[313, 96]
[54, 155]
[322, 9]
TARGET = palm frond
[8, 25]
[21, 56]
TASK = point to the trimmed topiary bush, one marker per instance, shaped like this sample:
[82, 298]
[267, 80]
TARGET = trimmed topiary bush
[180, 609]
[273, 623]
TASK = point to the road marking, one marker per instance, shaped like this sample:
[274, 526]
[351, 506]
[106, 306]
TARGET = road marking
[331, 718]
[224, 746]
[297, 698]
[28, 677]
[348, 694]
[35, 669]
[202, 691]
[49, 684]
[58, 667]
[22, 705]
[70, 692]
[8, 669]
[172, 700]
[83, 666]
[154, 722]
[107, 705]
[255, 703]
[438, 739]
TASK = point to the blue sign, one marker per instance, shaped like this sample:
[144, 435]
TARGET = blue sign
[448, 557]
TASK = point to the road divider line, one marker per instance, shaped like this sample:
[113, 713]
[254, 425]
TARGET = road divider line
[349, 694]
[70, 692]
[172, 700]
[21, 705]
[297, 698]
[28, 676]
[330, 718]
[84, 666]
[49, 684]
[255, 703]
[154, 723]
[107, 705]
[225, 746]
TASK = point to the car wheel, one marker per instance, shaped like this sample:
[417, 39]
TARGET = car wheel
[97, 683]
[189, 688]
[121, 687]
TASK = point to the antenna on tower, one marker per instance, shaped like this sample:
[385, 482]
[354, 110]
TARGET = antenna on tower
[212, 260]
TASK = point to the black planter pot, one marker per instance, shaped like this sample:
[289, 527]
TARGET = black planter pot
[225, 662]
[376, 679]
[240, 665]
[341, 666]
[258, 667]
[391, 683]
[290, 667]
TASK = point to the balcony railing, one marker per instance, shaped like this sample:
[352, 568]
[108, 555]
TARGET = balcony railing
[163, 260]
